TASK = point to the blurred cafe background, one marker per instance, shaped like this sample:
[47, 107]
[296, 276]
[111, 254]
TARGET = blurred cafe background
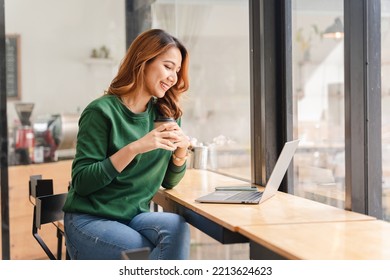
[67, 52]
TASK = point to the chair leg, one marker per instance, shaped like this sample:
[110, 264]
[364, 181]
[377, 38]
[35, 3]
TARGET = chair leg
[44, 246]
[39, 239]
[59, 244]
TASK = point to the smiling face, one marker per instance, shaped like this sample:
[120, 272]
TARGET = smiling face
[161, 72]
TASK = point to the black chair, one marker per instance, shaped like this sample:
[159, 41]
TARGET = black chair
[39, 187]
[47, 209]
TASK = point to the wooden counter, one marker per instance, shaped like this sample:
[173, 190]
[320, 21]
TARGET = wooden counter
[23, 244]
[283, 227]
[353, 240]
[281, 209]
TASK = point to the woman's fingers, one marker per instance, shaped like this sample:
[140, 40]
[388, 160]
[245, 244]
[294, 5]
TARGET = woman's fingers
[167, 144]
[170, 135]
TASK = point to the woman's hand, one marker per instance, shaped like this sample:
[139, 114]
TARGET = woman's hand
[182, 143]
[181, 140]
[167, 136]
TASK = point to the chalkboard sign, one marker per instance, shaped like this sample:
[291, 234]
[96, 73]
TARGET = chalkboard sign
[12, 66]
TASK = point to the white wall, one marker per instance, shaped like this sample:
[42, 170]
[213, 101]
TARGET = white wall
[57, 38]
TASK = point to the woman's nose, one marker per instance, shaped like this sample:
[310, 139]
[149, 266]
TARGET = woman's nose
[172, 78]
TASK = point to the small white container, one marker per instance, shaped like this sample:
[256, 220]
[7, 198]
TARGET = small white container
[200, 157]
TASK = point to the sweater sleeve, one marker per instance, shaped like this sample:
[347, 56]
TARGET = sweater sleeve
[92, 170]
[173, 175]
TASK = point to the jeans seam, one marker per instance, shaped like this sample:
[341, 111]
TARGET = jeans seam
[159, 243]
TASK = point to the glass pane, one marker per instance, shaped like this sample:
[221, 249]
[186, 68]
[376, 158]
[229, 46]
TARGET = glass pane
[217, 106]
[70, 51]
[385, 26]
[318, 100]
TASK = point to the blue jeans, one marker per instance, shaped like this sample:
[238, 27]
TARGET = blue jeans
[89, 237]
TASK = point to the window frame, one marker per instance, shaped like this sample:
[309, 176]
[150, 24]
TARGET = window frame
[363, 149]
[271, 86]
[271, 97]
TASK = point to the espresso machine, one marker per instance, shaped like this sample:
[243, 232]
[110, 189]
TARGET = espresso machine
[24, 139]
[55, 137]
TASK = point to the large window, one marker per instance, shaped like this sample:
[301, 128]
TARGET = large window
[318, 100]
[70, 51]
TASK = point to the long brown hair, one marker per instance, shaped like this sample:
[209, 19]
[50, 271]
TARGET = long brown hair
[143, 50]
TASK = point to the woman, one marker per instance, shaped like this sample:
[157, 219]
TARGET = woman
[121, 159]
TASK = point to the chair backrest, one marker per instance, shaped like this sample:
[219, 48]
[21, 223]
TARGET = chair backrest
[39, 187]
[48, 209]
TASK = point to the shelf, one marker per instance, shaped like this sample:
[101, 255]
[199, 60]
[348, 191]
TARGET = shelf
[100, 61]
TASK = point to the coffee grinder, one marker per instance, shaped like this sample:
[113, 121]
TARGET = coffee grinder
[24, 134]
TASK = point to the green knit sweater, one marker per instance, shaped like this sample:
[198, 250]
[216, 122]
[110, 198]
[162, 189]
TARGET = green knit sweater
[105, 126]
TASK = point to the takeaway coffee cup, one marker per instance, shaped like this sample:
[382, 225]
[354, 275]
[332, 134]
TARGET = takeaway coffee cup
[160, 120]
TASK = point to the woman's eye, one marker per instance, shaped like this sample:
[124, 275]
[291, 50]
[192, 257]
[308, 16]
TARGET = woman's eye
[168, 67]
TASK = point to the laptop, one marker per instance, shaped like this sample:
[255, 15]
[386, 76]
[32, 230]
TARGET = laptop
[248, 196]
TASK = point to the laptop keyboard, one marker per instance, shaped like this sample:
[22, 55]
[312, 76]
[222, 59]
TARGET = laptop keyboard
[246, 196]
